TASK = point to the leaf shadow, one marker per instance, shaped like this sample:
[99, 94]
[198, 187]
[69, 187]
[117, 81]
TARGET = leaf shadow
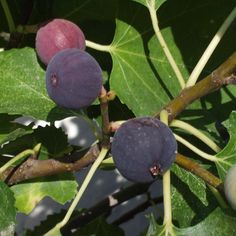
[201, 211]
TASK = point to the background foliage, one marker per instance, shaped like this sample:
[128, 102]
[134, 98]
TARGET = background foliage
[138, 71]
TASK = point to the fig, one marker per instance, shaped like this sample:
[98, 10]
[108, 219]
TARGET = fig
[57, 35]
[73, 79]
[143, 149]
[230, 186]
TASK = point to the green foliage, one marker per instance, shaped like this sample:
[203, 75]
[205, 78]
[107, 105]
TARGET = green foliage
[139, 72]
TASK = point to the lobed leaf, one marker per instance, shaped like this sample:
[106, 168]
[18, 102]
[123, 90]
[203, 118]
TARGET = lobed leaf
[60, 188]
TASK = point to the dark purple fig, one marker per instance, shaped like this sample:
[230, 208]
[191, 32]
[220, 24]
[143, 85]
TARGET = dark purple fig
[143, 148]
[57, 35]
[73, 78]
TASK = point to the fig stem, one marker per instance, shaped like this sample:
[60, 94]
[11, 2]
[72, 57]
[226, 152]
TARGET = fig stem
[103, 99]
[97, 46]
[192, 130]
[210, 49]
[8, 15]
[152, 10]
[201, 153]
[167, 221]
[79, 194]
[225, 74]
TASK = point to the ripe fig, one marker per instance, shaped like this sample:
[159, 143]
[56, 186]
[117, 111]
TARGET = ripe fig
[143, 148]
[73, 78]
[57, 35]
[230, 186]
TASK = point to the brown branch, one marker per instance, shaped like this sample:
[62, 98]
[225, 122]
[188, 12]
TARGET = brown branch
[196, 169]
[33, 168]
[105, 118]
[225, 74]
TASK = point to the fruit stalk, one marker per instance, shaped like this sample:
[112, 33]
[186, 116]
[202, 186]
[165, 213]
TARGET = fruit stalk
[167, 221]
[103, 99]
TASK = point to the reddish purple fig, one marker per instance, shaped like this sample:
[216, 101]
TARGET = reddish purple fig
[57, 35]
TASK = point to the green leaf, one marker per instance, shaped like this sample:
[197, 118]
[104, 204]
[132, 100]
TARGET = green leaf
[22, 85]
[196, 185]
[189, 195]
[60, 188]
[7, 210]
[228, 154]
[218, 223]
[99, 227]
[141, 75]
[54, 141]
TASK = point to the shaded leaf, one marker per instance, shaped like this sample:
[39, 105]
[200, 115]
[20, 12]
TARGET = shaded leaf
[54, 141]
[60, 188]
[99, 227]
[228, 154]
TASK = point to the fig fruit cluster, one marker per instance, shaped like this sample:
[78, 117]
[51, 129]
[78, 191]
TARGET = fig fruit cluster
[143, 149]
[73, 76]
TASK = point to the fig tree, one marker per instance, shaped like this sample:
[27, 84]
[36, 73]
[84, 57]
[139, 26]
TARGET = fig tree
[143, 148]
[57, 35]
[73, 78]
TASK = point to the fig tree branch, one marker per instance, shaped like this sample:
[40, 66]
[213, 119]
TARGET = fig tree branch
[199, 171]
[32, 168]
[225, 74]
[103, 99]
